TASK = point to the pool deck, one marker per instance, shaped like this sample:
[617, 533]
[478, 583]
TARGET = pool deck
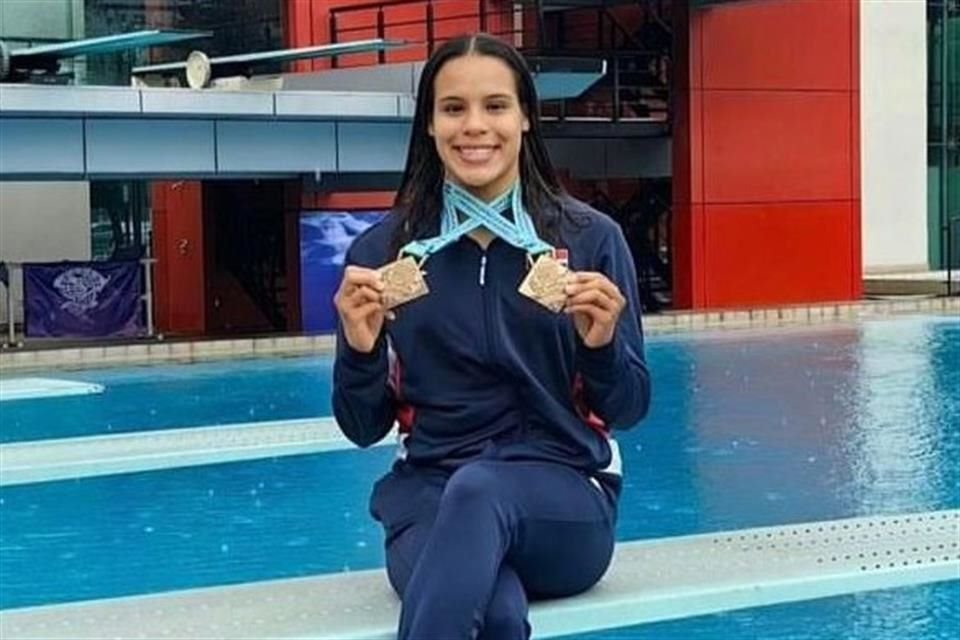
[910, 283]
[46, 357]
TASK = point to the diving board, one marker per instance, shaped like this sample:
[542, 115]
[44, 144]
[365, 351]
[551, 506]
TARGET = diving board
[19, 64]
[108, 44]
[60, 459]
[649, 581]
[200, 69]
[30, 388]
[371, 45]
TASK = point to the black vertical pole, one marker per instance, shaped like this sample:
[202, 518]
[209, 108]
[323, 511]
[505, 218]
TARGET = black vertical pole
[616, 85]
[333, 36]
[382, 54]
[429, 27]
[944, 156]
[600, 30]
[541, 27]
[561, 30]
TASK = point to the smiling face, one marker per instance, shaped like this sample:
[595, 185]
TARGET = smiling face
[478, 124]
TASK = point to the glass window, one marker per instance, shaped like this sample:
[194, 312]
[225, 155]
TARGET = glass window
[238, 26]
[23, 25]
[943, 40]
[119, 220]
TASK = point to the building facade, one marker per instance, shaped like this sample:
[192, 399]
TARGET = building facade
[757, 152]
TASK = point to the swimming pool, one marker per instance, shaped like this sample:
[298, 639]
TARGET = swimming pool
[748, 428]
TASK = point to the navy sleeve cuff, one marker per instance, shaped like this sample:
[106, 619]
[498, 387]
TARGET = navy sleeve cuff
[354, 359]
[601, 364]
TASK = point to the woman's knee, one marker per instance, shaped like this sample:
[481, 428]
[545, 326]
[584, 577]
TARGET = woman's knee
[471, 485]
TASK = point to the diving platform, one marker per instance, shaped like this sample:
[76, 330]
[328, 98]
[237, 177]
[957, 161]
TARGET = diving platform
[81, 133]
[167, 448]
[649, 581]
[340, 128]
[34, 388]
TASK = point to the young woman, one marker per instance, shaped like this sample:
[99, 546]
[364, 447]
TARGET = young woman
[508, 478]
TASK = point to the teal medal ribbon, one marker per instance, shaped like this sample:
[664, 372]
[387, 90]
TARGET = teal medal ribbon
[463, 212]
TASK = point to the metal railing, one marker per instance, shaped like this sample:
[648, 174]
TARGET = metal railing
[637, 83]
[389, 19]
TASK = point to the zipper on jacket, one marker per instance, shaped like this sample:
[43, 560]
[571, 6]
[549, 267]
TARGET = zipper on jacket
[485, 293]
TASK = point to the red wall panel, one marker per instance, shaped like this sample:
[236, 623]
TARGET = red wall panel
[789, 253]
[352, 200]
[766, 153]
[308, 23]
[298, 29]
[768, 146]
[785, 44]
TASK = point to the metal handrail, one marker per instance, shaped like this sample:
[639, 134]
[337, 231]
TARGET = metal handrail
[625, 97]
[946, 221]
[481, 14]
[951, 229]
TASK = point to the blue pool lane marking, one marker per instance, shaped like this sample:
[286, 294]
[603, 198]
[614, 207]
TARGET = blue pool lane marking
[648, 581]
[32, 388]
[68, 458]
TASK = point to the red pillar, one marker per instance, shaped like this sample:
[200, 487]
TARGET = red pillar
[178, 248]
[766, 153]
[179, 273]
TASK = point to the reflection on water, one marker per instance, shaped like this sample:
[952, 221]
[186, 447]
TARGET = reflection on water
[907, 399]
[816, 423]
[927, 612]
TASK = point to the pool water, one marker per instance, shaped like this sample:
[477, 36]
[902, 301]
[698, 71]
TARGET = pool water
[173, 396]
[927, 612]
[748, 428]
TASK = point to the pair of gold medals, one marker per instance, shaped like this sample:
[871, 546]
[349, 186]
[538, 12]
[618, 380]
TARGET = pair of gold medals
[545, 282]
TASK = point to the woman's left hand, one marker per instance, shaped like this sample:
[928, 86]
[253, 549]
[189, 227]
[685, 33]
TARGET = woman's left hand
[595, 303]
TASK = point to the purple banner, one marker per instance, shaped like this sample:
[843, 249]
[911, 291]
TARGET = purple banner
[325, 237]
[82, 299]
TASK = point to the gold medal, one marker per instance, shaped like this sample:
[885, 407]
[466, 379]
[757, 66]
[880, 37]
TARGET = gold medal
[404, 282]
[546, 282]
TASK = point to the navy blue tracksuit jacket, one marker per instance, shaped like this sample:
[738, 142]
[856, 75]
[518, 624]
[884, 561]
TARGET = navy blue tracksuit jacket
[476, 362]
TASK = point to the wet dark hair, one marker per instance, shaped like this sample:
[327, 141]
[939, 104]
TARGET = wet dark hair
[419, 199]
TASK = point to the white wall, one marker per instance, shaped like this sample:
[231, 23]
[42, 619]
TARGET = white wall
[893, 120]
[41, 222]
[41, 18]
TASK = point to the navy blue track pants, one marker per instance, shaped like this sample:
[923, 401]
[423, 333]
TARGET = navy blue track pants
[466, 550]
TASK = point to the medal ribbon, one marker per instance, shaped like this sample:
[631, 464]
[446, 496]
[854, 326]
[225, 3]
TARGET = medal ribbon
[463, 212]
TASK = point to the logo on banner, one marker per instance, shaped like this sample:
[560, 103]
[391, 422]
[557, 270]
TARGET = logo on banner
[80, 286]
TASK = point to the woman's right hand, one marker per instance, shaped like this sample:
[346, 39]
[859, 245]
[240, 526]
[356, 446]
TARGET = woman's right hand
[359, 303]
